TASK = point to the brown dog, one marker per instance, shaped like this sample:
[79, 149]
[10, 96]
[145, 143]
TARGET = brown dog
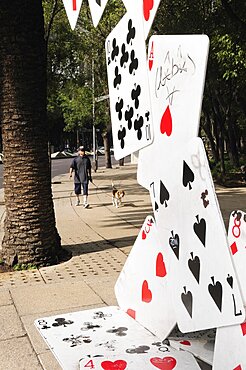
[117, 196]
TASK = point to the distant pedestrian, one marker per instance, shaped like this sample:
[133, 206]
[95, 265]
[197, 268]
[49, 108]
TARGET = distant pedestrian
[81, 165]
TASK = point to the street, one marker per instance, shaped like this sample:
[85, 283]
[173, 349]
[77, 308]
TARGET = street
[60, 166]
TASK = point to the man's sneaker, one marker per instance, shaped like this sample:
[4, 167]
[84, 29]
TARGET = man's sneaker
[78, 203]
[86, 205]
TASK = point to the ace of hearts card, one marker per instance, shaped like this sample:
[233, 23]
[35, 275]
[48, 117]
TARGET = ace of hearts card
[130, 105]
[143, 287]
[176, 72]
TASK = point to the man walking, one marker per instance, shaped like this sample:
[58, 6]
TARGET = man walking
[81, 165]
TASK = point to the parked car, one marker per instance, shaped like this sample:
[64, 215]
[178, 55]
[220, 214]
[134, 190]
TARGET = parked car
[101, 150]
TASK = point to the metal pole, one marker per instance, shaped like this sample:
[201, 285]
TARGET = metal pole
[94, 162]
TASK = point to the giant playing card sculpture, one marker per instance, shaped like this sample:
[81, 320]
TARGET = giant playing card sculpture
[180, 268]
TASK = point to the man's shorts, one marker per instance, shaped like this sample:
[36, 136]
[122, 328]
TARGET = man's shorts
[77, 188]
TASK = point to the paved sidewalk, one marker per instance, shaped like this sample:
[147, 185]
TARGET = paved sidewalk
[100, 239]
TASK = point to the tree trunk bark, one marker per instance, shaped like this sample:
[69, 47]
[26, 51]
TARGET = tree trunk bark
[30, 234]
[106, 144]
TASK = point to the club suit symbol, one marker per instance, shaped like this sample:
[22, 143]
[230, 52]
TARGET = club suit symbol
[131, 32]
[124, 57]
[118, 108]
[135, 95]
[128, 117]
[134, 63]
[138, 124]
[117, 79]
[121, 136]
[115, 51]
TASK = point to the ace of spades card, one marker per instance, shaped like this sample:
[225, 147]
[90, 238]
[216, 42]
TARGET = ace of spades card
[230, 344]
[237, 244]
[176, 72]
[97, 8]
[206, 292]
[146, 11]
[72, 8]
[142, 289]
[128, 87]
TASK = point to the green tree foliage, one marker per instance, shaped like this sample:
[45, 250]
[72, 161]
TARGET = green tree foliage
[73, 57]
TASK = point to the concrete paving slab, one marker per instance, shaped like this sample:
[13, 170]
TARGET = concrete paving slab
[10, 323]
[48, 297]
[48, 361]
[18, 354]
[5, 298]
[105, 288]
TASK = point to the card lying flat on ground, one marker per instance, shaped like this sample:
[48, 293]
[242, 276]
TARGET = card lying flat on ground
[237, 244]
[72, 8]
[128, 87]
[107, 338]
[202, 349]
[143, 287]
[176, 72]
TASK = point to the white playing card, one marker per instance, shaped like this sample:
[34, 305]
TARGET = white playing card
[128, 87]
[141, 351]
[202, 349]
[230, 347]
[206, 292]
[143, 287]
[176, 71]
[146, 12]
[71, 335]
[237, 244]
[72, 8]
[97, 8]
[107, 338]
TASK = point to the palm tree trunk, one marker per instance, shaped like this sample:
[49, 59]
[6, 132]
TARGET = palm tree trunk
[30, 234]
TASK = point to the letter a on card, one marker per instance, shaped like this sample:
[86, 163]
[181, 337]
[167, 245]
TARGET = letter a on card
[72, 8]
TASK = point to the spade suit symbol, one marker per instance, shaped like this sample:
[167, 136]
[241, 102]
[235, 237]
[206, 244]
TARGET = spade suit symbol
[188, 175]
[194, 266]
[216, 292]
[174, 243]
[164, 194]
[187, 300]
[200, 229]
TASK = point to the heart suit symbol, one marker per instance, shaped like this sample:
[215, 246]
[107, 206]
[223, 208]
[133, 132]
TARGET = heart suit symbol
[146, 292]
[116, 365]
[166, 125]
[147, 7]
[165, 363]
[160, 266]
